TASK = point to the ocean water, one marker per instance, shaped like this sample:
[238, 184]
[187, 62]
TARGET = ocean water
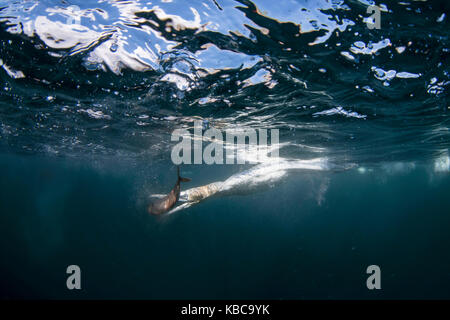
[91, 93]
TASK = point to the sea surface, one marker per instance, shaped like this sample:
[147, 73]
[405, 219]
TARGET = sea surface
[92, 91]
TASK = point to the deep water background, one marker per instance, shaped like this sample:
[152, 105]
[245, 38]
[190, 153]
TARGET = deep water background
[277, 244]
[91, 91]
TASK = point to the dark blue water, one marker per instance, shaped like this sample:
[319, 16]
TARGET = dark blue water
[91, 93]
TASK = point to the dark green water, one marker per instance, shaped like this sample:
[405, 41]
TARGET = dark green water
[275, 244]
[91, 93]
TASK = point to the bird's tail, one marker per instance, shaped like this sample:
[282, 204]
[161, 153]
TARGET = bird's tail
[181, 178]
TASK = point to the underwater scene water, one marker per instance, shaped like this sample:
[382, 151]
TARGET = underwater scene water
[92, 91]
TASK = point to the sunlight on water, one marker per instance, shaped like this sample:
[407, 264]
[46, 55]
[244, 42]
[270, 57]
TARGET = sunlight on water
[135, 70]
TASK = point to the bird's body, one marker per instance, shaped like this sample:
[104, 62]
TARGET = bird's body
[166, 203]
